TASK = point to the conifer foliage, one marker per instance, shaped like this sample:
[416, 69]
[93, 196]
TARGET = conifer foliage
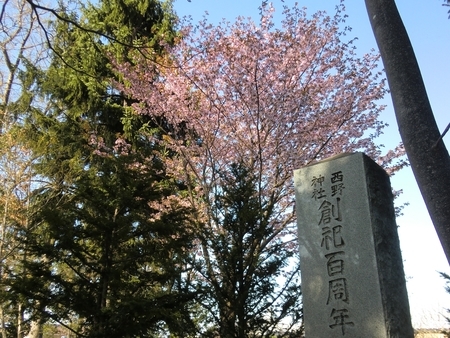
[249, 287]
[108, 234]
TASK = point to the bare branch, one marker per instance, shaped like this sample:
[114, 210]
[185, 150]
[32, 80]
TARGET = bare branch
[442, 136]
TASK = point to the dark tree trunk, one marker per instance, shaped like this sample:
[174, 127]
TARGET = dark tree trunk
[418, 129]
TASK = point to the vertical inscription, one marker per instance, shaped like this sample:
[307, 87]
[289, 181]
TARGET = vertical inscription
[352, 273]
[328, 194]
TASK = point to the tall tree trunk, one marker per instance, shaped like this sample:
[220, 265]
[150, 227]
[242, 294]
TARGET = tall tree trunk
[2, 319]
[2, 259]
[427, 154]
[20, 321]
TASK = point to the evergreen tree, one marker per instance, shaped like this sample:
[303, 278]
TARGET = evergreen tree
[250, 289]
[109, 236]
[109, 233]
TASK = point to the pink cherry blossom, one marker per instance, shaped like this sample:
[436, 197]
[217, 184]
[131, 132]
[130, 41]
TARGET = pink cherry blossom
[274, 99]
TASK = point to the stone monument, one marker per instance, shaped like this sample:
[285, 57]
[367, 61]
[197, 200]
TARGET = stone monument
[352, 272]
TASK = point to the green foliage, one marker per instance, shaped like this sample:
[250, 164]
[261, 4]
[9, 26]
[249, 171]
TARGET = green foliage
[248, 286]
[108, 246]
[108, 236]
[135, 23]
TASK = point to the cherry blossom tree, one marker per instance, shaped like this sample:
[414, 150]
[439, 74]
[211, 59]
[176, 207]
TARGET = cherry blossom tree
[267, 99]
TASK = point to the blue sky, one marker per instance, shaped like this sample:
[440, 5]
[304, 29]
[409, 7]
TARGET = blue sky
[428, 27]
